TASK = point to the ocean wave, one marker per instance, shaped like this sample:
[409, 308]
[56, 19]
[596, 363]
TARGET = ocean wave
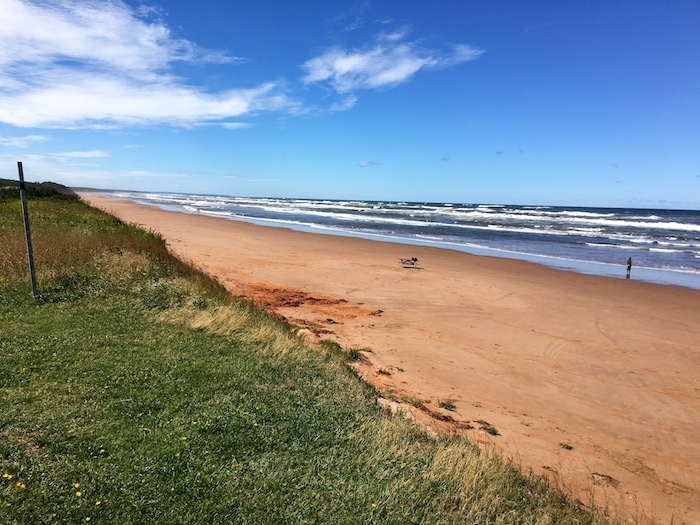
[659, 238]
[577, 222]
[635, 248]
[665, 250]
[481, 214]
[430, 237]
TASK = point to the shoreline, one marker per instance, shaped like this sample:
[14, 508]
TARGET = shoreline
[673, 277]
[683, 278]
[606, 366]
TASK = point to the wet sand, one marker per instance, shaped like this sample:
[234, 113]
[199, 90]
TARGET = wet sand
[592, 381]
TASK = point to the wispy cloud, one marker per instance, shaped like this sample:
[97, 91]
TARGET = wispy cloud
[235, 125]
[104, 64]
[345, 104]
[74, 170]
[369, 163]
[93, 154]
[23, 142]
[390, 61]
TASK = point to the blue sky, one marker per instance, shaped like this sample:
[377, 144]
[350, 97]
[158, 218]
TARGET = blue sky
[543, 102]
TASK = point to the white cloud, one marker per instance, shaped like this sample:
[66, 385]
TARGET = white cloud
[345, 104]
[235, 125]
[396, 35]
[102, 100]
[388, 63]
[369, 163]
[22, 142]
[93, 154]
[102, 33]
[102, 64]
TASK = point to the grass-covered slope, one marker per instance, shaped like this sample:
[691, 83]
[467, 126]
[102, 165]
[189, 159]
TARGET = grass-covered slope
[9, 189]
[137, 391]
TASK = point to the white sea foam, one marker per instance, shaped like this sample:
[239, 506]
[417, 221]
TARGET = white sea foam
[665, 250]
[583, 222]
[659, 239]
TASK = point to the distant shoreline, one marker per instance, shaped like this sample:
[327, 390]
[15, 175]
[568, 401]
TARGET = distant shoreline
[87, 190]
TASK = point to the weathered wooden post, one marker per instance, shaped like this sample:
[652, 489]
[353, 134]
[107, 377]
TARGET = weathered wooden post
[30, 253]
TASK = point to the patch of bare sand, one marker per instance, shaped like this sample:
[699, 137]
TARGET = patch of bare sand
[592, 381]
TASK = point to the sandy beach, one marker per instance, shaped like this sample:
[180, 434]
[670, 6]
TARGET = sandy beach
[592, 381]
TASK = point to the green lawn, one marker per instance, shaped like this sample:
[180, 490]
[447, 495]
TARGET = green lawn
[137, 391]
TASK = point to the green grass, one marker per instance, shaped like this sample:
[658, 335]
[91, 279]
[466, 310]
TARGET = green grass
[448, 404]
[487, 427]
[9, 190]
[140, 384]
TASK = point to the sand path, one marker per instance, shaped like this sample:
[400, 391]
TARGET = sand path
[592, 381]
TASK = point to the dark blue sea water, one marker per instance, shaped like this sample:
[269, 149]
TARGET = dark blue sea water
[664, 244]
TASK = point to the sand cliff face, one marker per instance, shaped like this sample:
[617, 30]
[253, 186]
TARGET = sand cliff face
[592, 381]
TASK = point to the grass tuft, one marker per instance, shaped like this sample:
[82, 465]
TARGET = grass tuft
[448, 404]
[415, 402]
[488, 427]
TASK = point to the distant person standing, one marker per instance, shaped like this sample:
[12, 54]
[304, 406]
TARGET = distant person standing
[629, 267]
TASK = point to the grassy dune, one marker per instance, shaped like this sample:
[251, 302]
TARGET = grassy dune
[136, 390]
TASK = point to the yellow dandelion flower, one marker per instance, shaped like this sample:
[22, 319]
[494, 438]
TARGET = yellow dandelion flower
[97, 502]
[87, 519]
[374, 505]
[76, 485]
[183, 438]
[78, 493]
[23, 486]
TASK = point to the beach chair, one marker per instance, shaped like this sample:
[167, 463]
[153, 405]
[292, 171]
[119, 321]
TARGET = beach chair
[408, 262]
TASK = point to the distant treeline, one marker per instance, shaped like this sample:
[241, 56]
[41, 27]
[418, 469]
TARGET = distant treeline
[9, 189]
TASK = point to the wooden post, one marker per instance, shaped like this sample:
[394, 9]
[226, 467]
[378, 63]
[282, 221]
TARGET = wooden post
[30, 253]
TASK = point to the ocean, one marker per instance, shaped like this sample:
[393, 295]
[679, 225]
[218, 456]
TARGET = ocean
[664, 244]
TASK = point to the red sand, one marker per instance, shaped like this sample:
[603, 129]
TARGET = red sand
[592, 381]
